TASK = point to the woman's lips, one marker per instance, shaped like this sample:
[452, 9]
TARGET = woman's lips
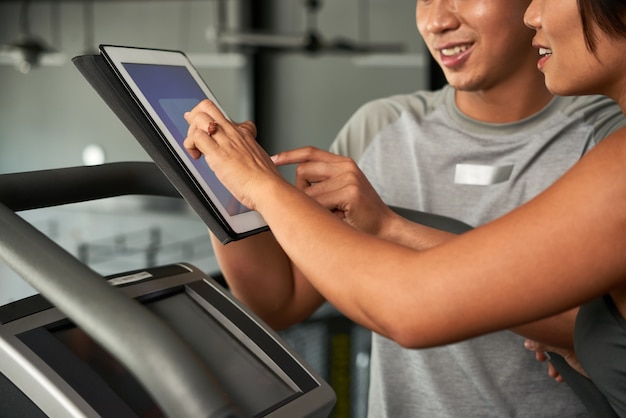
[544, 56]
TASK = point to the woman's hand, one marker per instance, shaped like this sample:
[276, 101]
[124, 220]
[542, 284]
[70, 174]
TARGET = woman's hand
[231, 151]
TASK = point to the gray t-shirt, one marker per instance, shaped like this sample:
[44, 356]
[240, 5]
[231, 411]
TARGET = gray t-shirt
[420, 152]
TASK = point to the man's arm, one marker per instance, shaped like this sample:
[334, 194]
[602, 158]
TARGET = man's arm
[260, 275]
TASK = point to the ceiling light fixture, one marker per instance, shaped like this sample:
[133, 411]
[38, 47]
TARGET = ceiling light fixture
[28, 51]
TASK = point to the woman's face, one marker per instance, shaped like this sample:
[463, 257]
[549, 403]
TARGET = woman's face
[570, 68]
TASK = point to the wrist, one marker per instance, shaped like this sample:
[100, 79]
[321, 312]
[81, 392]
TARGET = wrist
[398, 229]
[270, 192]
[389, 226]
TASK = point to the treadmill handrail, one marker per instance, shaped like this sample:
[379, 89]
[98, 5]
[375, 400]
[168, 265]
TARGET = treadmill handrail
[189, 390]
[53, 187]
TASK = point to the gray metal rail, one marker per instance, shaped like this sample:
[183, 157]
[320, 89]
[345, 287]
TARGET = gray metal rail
[189, 390]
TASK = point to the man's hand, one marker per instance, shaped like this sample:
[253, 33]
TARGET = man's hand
[337, 183]
[540, 354]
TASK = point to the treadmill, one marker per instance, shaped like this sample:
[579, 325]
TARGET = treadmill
[161, 341]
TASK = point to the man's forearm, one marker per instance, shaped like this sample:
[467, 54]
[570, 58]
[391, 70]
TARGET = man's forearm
[261, 276]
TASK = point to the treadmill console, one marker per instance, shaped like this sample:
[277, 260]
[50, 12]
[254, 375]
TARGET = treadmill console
[51, 366]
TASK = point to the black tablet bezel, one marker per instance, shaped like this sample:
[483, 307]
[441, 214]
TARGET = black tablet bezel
[161, 148]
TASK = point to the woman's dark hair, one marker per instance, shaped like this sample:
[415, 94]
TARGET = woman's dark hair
[606, 15]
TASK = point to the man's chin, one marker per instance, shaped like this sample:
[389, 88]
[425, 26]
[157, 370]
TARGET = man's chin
[465, 85]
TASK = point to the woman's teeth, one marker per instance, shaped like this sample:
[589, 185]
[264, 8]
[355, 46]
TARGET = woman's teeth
[545, 51]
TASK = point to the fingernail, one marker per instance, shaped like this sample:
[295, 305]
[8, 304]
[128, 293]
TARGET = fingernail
[274, 157]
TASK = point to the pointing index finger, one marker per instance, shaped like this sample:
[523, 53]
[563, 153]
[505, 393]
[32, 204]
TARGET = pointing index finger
[303, 155]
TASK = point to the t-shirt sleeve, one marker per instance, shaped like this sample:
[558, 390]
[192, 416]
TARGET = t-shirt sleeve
[371, 118]
[602, 113]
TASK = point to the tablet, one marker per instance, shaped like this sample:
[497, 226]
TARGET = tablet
[165, 85]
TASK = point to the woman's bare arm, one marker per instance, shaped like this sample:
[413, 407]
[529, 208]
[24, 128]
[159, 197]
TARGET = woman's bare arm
[555, 252]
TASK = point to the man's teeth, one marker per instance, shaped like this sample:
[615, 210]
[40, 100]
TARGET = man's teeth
[448, 52]
[545, 51]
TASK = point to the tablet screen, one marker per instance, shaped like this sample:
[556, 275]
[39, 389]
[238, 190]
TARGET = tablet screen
[167, 85]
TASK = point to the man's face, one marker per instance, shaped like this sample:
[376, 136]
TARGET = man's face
[477, 43]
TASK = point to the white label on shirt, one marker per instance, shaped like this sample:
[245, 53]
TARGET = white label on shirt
[481, 175]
